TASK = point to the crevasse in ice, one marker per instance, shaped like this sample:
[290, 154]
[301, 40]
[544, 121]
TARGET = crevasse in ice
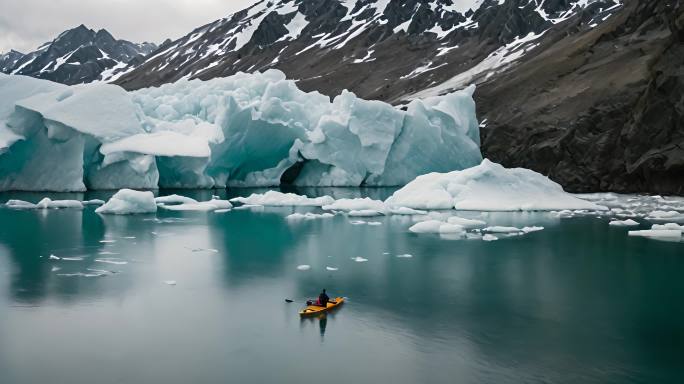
[244, 130]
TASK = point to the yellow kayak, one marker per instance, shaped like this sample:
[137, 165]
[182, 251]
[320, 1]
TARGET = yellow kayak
[315, 309]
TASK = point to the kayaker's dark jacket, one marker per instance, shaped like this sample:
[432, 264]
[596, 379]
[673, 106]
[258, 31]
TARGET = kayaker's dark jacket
[323, 299]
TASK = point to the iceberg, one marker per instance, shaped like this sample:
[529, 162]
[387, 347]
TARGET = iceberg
[623, 223]
[128, 201]
[204, 206]
[487, 187]
[359, 204]
[278, 199]
[243, 130]
[174, 199]
[47, 203]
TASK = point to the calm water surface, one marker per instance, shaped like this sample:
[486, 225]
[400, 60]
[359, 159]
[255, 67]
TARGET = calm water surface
[579, 302]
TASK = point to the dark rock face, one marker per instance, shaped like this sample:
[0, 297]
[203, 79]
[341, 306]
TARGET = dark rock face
[601, 110]
[79, 55]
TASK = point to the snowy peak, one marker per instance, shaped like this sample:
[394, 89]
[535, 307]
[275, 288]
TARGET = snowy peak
[9, 59]
[356, 43]
[78, 55]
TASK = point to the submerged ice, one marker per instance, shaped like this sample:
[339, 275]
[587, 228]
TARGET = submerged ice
[244, 130]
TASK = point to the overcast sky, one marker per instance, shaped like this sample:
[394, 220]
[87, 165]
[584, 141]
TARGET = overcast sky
[25, 24]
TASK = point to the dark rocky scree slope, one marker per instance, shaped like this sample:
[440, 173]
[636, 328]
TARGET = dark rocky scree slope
[599, 110]
[76, 56]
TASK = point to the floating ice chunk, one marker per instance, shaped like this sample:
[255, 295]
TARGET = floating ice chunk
[360, 204]
[308, 216]
[19, 204]
[405, 256]
[170, 282]
[107, 253]
[56, 204]
[357, 222]
[274, 198]
[532, 229]
[107, 241]
[671, 234]
[53, 257]
[487, 187]
[55, 269]
[112, 260]
[174, 199]
[204, 206]
[359, 259]
[374, 223]
[407, 211]
[500, 229]
[428, 226]
[673, 216]
[304, 267]
[128, 201]
[332, 269]
[489, 237]
[364, 213]
[623, 223]
[451, 229]
[93, 202]
[222, 210]
[75, 258]
[670, 226]
[466, 223]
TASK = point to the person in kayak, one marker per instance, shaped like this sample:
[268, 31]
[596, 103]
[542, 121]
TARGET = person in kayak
[323, 299]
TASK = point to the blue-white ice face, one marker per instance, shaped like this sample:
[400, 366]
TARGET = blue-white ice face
[247, 130]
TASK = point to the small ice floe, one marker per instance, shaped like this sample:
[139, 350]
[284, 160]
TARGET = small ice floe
[406, 211]
[249, 206]
[279, 199]
[501, 229]
[437, 226]
[55, 269]
[357, 222]
[48, 203]
[348, 205]
[53, 257]
[466, 223]
[128, 201]
[129, 237]
[75, 258]
[204, 206]
[111, 260]
[304, 267]
[623, 223]
[107, 241]
[532, 229]
[668, 226]
[385, 253]
[563, 214]
[174, 199]
[405, 256]
[107, 253]
[489, 237]
[170, 282]
[309, 216]
[93, 202]
[19, 204]
[359, 259]
[332, 269]
[364, 213]
[222, 210]
[374, 223]
[658, 234]
[671, 216]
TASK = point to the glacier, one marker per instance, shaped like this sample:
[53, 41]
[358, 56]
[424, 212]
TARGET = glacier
[244, 130]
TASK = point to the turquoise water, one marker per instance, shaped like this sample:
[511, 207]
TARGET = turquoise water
[579, 302]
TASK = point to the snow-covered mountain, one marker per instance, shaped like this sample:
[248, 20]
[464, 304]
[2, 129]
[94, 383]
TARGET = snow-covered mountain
[380, 49]
[78, 55]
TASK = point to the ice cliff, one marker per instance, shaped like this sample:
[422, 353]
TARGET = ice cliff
[244, 130]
